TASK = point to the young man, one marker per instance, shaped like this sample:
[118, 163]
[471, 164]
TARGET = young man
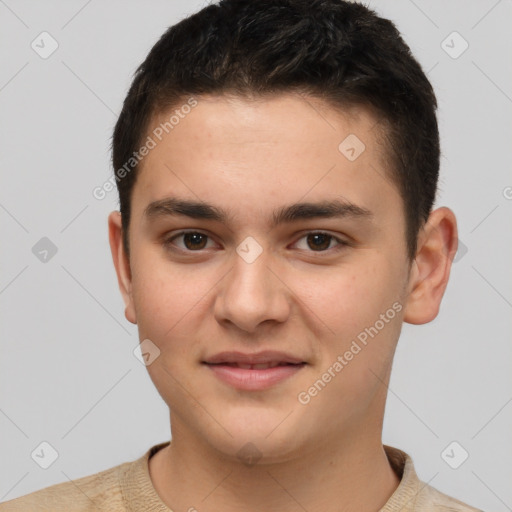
[277, 164]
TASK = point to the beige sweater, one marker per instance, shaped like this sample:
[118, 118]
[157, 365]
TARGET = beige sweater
[128, 487]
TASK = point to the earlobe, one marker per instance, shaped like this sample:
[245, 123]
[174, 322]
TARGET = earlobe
[121, 264]
[430, 270]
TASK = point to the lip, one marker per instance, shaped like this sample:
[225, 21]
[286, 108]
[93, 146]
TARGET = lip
[253, 379]
[266, 356]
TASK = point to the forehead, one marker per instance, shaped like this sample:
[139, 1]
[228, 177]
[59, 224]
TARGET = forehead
[258, 152]
[278, 118]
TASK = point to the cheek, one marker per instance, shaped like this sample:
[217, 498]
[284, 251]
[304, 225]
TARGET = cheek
[166, 304]
[350, 304]
[357, 349]
[350, 297]
[172, 302]
[163, 299]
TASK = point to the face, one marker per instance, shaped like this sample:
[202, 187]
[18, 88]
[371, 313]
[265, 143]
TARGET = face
[252, 273]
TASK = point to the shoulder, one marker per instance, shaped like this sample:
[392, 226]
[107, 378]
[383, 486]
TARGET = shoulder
[100, 491]
[414, 495]
[429, 498]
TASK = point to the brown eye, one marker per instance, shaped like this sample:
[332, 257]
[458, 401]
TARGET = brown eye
[319, 241]
[192, 241]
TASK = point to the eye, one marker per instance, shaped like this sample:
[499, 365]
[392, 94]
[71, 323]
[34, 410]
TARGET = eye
[321, 242]
[192, 240]
[195, 241]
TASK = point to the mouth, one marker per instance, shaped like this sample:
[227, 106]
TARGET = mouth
[253, 372]
[257, 366]
[271, 358]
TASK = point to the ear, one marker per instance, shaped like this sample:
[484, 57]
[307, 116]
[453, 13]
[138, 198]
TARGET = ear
[430, 270]
[122, 264]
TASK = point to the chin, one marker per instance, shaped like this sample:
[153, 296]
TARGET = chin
[257, 437]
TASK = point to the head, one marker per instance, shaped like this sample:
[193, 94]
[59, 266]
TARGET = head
[246, 109]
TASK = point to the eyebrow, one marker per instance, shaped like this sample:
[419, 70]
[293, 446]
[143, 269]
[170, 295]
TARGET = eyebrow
[172, 206]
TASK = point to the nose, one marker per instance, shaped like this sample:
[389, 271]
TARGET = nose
[252, 293]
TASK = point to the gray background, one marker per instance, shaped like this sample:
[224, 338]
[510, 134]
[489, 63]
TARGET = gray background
[68, 375]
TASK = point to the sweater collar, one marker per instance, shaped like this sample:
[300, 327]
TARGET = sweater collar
[140, 494]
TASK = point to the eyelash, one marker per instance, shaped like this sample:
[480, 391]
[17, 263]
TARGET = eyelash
[167, 243]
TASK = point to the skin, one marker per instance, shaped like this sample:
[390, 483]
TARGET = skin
[252, 157]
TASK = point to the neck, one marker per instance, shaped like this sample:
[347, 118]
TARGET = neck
[330, 476]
